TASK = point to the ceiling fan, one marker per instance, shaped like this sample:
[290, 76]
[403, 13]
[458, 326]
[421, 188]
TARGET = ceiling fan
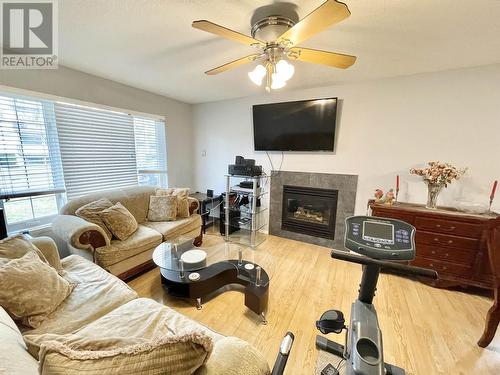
[277, 36]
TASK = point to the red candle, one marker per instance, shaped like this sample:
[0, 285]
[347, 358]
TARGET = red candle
[397, 182]
[493, 190]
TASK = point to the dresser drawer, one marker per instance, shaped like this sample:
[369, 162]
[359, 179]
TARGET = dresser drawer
[450, 254]
[442, 268]
[444, 240]
[393, 215]
[455, 228]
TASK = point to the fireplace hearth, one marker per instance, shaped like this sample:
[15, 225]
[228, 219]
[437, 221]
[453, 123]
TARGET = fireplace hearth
[308, 210]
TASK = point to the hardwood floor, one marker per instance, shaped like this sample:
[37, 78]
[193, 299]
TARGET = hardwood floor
[426, 330]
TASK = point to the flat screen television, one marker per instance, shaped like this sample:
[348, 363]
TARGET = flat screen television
[306, 125]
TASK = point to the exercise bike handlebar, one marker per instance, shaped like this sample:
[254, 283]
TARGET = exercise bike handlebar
[360, 259]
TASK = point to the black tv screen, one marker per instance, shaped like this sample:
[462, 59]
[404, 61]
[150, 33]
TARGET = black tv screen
[307, 125]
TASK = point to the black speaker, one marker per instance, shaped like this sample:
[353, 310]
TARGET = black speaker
[3, 225]
[210, 193]
[239, 160]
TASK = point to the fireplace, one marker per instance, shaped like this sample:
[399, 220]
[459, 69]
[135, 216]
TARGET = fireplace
[309, 210]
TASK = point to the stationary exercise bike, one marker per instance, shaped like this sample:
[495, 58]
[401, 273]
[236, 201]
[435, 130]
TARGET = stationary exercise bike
[377, 240]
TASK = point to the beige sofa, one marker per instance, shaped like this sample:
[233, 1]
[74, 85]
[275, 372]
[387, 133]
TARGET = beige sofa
[98, 294]
[129, 257]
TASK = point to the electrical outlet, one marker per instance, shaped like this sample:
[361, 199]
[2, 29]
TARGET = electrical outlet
[204, 153]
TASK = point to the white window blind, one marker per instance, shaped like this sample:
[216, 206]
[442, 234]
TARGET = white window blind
[150, 151]
[97, 149]
[30, 163]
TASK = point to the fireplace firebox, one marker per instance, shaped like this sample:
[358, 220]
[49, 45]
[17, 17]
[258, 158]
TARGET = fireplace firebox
[309, 210]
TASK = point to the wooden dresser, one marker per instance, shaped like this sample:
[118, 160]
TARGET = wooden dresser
[463, 248]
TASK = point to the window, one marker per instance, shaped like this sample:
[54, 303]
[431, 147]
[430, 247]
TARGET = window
[54, 151]
[31, 177]
[103, 149]
[97, 149]
[150, 151]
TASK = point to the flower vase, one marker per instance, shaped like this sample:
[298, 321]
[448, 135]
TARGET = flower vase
[432, 195]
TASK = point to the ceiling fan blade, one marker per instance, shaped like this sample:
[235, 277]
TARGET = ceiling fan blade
[336, 60]
[224, 32]
[232, 64]
[327, 14]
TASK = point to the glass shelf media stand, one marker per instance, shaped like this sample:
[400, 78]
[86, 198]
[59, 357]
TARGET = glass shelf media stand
[244, 214]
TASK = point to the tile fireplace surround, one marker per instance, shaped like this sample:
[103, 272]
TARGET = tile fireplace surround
[344, 183]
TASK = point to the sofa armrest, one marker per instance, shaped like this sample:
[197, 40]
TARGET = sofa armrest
[194, 205]
[79, 233]
[49, 250]
[234, 356]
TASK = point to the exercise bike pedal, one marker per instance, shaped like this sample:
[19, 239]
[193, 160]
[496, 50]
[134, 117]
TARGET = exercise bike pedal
[331, 321]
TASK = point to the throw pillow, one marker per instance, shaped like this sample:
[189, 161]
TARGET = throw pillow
[160, 192]
[179, 355]
[15, 247]
[182, 202]
[140, 337]
[119, 221]
[162, 208]
[90, 212]
[31, 289]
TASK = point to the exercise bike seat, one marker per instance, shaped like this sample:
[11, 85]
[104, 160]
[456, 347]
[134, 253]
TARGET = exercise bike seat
[331, 321]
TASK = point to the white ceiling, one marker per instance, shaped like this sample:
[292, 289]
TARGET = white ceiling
[150, 44]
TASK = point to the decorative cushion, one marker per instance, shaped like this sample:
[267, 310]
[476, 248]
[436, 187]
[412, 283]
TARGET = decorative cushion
[161, 192]
[119, 221]
[182, 195]
[15, 247]
[135, 338]
[182, 202]
[90, 212]
[30, 289]
[162, 208]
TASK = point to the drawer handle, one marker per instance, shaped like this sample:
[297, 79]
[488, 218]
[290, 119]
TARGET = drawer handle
[446, 255]
[448, 229]
[449, 242]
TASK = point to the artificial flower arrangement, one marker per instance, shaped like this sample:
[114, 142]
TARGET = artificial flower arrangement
[437, 176]
[439, 173]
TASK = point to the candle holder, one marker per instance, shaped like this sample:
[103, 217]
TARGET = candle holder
[492, 195]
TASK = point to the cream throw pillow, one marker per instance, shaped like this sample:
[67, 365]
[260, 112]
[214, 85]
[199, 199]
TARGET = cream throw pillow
[162, 208]
[16, 247]
[179, 355]
[119, 221]
[182, 202]
[90, 212]
[161, 192]
[30, 289]
[182, 195]
[140, 337]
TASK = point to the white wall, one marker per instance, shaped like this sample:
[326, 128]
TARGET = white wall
[384, 128]
[77, 85]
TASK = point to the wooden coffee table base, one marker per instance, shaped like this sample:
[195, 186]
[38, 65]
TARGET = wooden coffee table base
[216, 276]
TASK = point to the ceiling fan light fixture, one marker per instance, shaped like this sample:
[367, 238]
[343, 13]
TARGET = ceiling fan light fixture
[277, 82]
[284, 70]
[258, 74]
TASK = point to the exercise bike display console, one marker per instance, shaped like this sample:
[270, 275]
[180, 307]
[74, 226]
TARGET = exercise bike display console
[380, 238]
[376, 240]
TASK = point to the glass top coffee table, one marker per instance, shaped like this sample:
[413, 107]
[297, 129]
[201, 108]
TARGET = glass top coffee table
[195, 272]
